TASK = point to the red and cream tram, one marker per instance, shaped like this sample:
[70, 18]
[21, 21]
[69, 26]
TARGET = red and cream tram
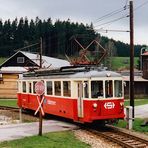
[79, 93]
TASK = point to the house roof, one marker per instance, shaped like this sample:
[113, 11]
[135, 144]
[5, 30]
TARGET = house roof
[13, 69]
[47, 62]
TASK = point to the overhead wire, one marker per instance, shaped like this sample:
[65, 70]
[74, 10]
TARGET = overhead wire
[126, 1]
[110, 14]
[109, 22]
[141, 5]
[106, 30]
[115, 12]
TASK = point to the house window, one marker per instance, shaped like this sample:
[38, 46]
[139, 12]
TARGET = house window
[1, 78]
[20, 59]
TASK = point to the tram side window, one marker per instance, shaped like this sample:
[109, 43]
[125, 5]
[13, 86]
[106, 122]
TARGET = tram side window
[30, 87]
[86, 89]
[49, 88]
[34, 87]
[118, 88]
[24, 87]
[108, 88]
[57, 88]
[96, 89]
[67, 88]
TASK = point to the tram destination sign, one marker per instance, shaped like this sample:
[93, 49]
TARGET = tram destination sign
[39, 88]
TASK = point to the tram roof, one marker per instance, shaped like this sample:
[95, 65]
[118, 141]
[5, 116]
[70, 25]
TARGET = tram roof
[78, 73]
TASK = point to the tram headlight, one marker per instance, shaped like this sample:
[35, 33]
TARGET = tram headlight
[95, 105]
[121, 104]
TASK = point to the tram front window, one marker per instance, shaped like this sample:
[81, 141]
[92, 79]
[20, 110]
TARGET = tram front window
[96, 89]
[108, 88]
[118, 88]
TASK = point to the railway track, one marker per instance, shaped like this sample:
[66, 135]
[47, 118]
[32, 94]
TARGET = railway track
[9, 108]
[125, 139]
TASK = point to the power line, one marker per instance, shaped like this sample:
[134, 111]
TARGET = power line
[106, 30]
[110, 14]
[141, 5]
[126, 3]
[109, 22]
[116, 12]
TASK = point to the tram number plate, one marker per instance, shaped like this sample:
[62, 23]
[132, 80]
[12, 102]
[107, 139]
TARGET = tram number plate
[109, 105]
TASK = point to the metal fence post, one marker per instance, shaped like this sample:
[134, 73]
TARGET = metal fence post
[129, 119]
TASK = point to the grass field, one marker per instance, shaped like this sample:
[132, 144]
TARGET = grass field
[122, 62]
[50, 140]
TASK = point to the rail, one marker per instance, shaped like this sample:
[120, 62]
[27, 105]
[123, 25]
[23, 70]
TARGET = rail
[125, 139]
[9, 108]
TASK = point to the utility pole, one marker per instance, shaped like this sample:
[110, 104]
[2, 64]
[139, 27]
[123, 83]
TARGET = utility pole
[131, 57]
[40, 112]
[41, 50]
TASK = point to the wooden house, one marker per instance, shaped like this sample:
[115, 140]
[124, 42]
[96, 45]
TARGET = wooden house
[8, 81]
[13, 67]
[144, 58]
[140, 84]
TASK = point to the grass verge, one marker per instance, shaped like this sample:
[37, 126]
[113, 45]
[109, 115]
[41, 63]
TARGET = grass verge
[136, 125]
[13, 102]
[8, 102]
[49, 140]
[137, 102]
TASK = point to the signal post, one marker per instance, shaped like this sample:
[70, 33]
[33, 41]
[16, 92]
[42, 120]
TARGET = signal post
[39, 89]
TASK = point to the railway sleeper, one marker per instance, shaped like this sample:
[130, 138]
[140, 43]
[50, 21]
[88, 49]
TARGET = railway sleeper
[140, 146]
[129, 141]
[137, 143]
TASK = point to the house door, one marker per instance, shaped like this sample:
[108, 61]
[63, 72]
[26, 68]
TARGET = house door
[80, 99]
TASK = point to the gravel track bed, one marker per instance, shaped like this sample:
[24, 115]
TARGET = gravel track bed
[94, 141]
[11, 117]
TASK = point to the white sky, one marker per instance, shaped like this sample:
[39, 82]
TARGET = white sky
[85, 11]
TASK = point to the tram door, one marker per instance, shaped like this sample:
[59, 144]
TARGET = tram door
[80, 99]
